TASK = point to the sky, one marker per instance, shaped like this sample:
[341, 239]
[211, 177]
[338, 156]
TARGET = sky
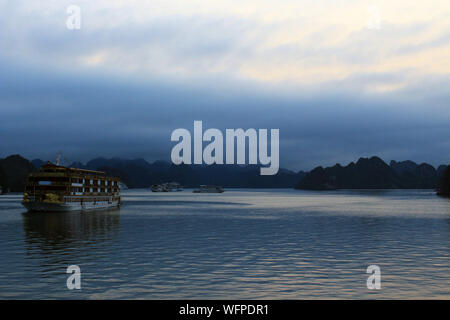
[339, 79]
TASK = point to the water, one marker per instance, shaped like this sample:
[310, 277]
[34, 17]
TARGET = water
[242, 244]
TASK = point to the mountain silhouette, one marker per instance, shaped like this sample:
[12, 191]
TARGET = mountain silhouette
[15, 170]
[372, 173]
[138, 173]
[366, 173]
[444, 183]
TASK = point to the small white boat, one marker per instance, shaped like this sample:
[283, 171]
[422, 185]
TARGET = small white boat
[172, 186]
[166, 187]
[209, 189]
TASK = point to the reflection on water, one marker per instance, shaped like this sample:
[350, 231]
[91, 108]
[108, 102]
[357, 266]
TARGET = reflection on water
[279, 244]
[55, 232]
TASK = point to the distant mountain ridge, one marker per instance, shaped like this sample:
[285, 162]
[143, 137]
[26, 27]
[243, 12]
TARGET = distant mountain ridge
[373, 173]
[138, 173]
[366, 173]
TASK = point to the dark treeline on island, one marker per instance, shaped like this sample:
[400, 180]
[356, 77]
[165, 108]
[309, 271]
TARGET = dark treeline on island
[366, 173]
[444, 183]
[373, 173]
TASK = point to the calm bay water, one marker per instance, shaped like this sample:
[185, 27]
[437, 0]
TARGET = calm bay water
[242, 244]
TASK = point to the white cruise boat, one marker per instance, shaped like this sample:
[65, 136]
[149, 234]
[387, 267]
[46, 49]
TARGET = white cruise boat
[58, 188]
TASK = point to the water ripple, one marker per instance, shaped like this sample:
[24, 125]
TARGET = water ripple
[243, 244]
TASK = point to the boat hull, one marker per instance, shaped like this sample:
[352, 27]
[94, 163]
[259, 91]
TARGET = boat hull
[70, 206]
[198, 191]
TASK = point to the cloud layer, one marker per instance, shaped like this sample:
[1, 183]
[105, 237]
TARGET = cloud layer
[136, 70]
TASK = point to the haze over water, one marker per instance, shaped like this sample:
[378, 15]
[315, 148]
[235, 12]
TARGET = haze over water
[242, 244]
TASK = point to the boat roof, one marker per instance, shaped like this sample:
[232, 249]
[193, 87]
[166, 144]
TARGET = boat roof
[54, 166]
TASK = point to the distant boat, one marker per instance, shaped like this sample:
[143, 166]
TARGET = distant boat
[157, 188]
[166, 187]
[173, 186]
[209, 189]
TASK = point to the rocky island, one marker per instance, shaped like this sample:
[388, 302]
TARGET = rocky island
[444, 183]
[372, 173]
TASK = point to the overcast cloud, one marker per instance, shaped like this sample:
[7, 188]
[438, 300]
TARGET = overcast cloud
[137, 70]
